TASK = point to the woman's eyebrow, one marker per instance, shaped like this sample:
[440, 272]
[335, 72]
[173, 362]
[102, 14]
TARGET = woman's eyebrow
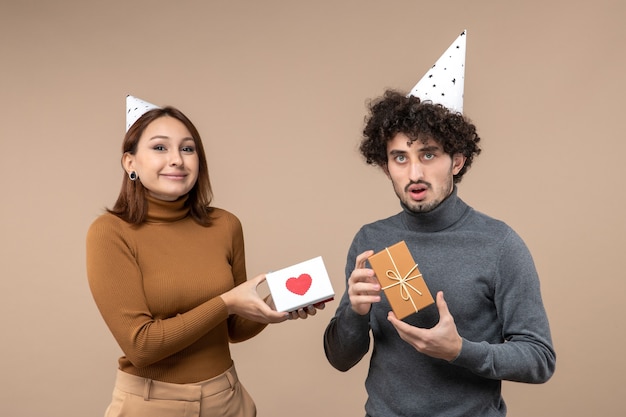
[185, 139]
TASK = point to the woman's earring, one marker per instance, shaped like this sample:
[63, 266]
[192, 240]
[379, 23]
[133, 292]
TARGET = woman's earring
[132, 175]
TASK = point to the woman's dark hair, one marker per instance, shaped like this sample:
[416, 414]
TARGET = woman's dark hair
[395, 113]
[131, 204]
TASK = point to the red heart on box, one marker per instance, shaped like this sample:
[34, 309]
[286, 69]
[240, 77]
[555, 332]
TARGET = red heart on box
[299, 285]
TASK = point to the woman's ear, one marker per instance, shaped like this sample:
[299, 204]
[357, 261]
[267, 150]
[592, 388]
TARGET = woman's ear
[458, 161]
[128, 162]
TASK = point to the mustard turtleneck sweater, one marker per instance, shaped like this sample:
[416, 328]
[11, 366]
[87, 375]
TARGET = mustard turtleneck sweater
[158, 289]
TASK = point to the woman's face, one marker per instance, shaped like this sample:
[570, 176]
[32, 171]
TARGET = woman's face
[166, 161]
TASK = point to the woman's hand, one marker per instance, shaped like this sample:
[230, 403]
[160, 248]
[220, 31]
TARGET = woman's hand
[304, 312]
[244, 301]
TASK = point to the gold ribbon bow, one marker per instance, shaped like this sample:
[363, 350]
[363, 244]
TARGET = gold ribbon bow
[402, 281]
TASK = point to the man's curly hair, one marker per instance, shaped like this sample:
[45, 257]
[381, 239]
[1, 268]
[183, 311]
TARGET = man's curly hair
[395, 113]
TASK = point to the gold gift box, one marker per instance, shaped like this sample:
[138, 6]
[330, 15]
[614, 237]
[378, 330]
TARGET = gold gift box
[401, 280]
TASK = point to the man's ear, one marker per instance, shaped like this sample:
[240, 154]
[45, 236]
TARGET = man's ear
[385, 169]
[458, 161]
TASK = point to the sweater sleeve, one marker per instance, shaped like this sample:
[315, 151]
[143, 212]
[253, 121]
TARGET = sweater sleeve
[347, 336]
[526, 355]
[239, 328]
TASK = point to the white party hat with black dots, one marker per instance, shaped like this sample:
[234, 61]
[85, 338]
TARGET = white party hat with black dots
[135, 108]
[445, 81]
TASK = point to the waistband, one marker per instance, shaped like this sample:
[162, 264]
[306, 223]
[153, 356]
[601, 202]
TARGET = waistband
[151, 389]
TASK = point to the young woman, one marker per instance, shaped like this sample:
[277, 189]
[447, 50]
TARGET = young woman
[167, 272]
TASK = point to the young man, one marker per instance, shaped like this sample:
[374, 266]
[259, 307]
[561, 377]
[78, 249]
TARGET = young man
[488, 323]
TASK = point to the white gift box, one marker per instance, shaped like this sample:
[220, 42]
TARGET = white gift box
[300, 285]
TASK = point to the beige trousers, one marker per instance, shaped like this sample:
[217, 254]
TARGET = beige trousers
[222, 396]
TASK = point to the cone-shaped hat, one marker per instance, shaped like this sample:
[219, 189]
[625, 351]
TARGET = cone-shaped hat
[135, 108]
[445, 81]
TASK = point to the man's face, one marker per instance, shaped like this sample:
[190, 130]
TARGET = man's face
[421, 173]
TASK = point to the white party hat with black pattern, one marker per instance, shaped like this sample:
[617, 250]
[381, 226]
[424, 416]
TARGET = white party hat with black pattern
[135, 108]
[445, 81]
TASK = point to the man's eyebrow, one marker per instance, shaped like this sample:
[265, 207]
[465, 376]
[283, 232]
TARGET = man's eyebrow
[430, 148]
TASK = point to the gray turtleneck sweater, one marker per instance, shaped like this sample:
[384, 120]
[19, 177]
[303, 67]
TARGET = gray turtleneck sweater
[492, 290]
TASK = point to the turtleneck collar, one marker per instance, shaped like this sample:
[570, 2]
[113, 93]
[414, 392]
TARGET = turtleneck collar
[443, 216]
[160, 211]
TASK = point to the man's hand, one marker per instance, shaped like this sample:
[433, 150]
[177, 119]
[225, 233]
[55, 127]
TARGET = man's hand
[363, 287]
[442, 341]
